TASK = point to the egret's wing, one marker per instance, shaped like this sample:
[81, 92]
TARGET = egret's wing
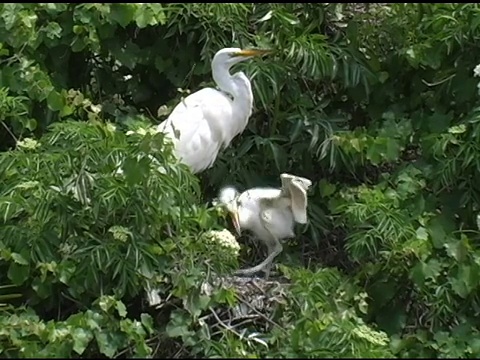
[195, 127]
[288, 178]
[298, 196]
[295, 188]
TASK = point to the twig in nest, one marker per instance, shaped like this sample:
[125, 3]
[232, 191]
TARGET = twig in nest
[247, 319]
[263, 316]
[180, 351]
[254, 283]
[220, 321]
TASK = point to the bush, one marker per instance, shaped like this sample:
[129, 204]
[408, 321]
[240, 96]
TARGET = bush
[79, 220]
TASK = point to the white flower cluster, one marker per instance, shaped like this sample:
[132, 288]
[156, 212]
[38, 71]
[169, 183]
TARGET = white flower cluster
[374, 337]
[476, 73]
[225, 239]
[142, 131]
[120, 233]
[111, 127]
[28, 143]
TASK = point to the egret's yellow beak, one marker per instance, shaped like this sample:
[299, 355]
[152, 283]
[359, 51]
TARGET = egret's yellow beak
[236, 221]
[252, 52]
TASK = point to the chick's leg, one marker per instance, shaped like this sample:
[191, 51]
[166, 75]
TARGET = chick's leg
[268, 267]
[274, 249]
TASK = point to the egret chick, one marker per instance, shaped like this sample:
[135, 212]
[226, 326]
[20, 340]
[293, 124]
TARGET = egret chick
[270, 213]
[207, 121]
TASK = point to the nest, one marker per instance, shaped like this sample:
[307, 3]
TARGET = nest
[254, 312]
[257, 297]
[257, 300]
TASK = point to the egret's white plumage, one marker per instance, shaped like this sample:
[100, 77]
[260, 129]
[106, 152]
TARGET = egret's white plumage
[269, 213]
[207, 121]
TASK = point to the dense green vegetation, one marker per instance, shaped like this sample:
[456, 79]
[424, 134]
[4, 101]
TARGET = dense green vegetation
[377, 104]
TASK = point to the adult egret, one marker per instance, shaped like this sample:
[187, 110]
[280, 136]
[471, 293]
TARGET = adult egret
[270, 213]
[206, 121]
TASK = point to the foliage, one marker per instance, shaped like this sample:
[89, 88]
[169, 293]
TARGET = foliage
[319, 319]
[375, 103]
[414, 231]
[23, 334]
[78, 221]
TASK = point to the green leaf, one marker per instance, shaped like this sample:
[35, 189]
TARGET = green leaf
[78, 44]
[438, 122]
[383, 76]
[9, 15]
[423, 271]
[178, 325]
[458, 249]
[123, 14]
[147, 322]
[30, 124]
[78, 29]
[326, 188]
[459, 287]
[475, 345]
[107, 344]
[19, 259]
[65, 271]
[279, 156]
[135, 171]
[203, 301]
[55, 101]
[126, 53]
[417, 275]
[66, 111]
[9, 209]
[122, 310]
[470, 275]
[374, 152]
[356, 144]
[393, 150]
[432, 269]
[422, 233]
[142, 350]
[266, 17]
[393, 320]
[437, 232]
[144, 17]
[225, 296]
[18, 274]
[42, 288]
[53, 30]
[177, 330]
[396, 343]
[81, 339]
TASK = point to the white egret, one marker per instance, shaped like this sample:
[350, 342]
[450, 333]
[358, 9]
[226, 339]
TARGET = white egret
[270, 213]
[206, 121]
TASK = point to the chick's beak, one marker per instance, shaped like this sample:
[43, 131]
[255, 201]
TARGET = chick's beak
[253, 52]
[236, 222]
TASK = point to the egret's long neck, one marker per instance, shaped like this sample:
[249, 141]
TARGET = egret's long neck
[239, 87]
